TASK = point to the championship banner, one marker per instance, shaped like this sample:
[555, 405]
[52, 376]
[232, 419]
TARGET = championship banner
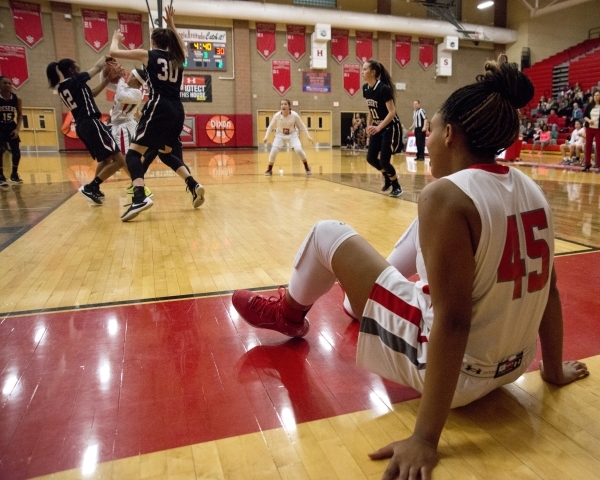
[352, 78]
[13, 64]
[339, 44]
[27, 20]
[403, 43]
[364, 46]
[197, 88]
[426, 52]
[265, 39]
[130, 25]
[282, 75]
[95, 28]
[296, 41]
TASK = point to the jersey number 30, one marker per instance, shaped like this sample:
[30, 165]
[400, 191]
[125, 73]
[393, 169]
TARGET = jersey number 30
[168, 71]
[512, 265]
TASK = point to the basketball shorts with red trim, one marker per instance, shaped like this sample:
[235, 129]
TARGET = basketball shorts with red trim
[161, 124]
[97, 138]
[123, 134]
[394, 336]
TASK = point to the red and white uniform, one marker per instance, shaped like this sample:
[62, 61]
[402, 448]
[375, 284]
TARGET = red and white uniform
[513, 264]
[286, 130]
[122, 114]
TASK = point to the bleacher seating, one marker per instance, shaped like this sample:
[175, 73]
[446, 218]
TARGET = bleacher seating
[586, 71]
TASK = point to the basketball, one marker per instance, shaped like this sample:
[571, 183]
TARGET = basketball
[113, 71]
[220, 129]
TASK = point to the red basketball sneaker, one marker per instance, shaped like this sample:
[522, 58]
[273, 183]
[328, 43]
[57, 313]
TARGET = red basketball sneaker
[272, 313]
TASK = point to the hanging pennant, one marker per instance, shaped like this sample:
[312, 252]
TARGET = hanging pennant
[282, 75]
[339, 44]
[364, 46]
[403, 43]
[265, 39]
[352, 78]
[426, 52]
[13, 64]
[27, 20]
[95, 28]
[130, 25]
[296, 41]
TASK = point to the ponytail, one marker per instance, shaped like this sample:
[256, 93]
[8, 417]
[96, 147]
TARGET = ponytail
[64, 66]
[52, 74]
[166, 39]
[383, 76]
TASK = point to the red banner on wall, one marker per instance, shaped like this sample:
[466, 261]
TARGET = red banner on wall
[352, 78]
[364, 46]
[425, 52]
[403, 43]
[130, 25]
[95, 28]
[13, 64]
[296, 41]
[265, 39]
[27, 20]
[339, 44]
[282, 75]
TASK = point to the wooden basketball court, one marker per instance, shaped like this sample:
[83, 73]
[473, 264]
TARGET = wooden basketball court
[121, 356]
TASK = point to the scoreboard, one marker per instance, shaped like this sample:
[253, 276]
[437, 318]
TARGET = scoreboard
[206, 55]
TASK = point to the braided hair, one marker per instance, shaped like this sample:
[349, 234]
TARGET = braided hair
[383, 75]
[487, 111]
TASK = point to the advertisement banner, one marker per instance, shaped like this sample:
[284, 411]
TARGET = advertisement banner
[316, 82]
[296, 41]
[265, 39]
[364, 46]
[403, 43]
[27, 20]
[339, 44]
[13, 64]
[352, 78]
[130, 25]
[425, 52]
[197, 88]
[95, 28]
[282, 75]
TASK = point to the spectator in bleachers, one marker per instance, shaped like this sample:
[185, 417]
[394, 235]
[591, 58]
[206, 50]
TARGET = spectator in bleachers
[553, 120]
[591, 117]
[543, 139]
[574, 146]
[542, 106]
[576, 114]
[529, 132]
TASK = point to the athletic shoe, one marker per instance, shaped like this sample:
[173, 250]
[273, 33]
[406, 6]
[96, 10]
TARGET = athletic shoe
[387, 185]
[308, 172]
[197, 195]
[396, 192]
[269, 173]
[136, 208]
[14, 178]
[147, 191]
[3, 183]
[100, 194]
[90, 194]
[270, 313]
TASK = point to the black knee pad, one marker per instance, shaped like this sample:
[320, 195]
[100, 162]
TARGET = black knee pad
[134, 164]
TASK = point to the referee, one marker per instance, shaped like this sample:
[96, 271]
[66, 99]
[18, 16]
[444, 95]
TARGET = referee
[420, 127]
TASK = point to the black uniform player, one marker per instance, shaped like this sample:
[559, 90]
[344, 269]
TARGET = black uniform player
[11, 116]
[163, 115]
[97, 137]
[383, 125]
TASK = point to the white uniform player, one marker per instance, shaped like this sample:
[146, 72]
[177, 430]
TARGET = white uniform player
[287, 125]
[492, 357]
[128, 97]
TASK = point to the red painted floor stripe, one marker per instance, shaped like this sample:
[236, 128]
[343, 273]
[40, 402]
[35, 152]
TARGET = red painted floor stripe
[143, 378]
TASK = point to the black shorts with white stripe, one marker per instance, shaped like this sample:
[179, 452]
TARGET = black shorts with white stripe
[97, 138]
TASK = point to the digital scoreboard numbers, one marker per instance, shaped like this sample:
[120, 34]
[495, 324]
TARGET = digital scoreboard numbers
[205, 55]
